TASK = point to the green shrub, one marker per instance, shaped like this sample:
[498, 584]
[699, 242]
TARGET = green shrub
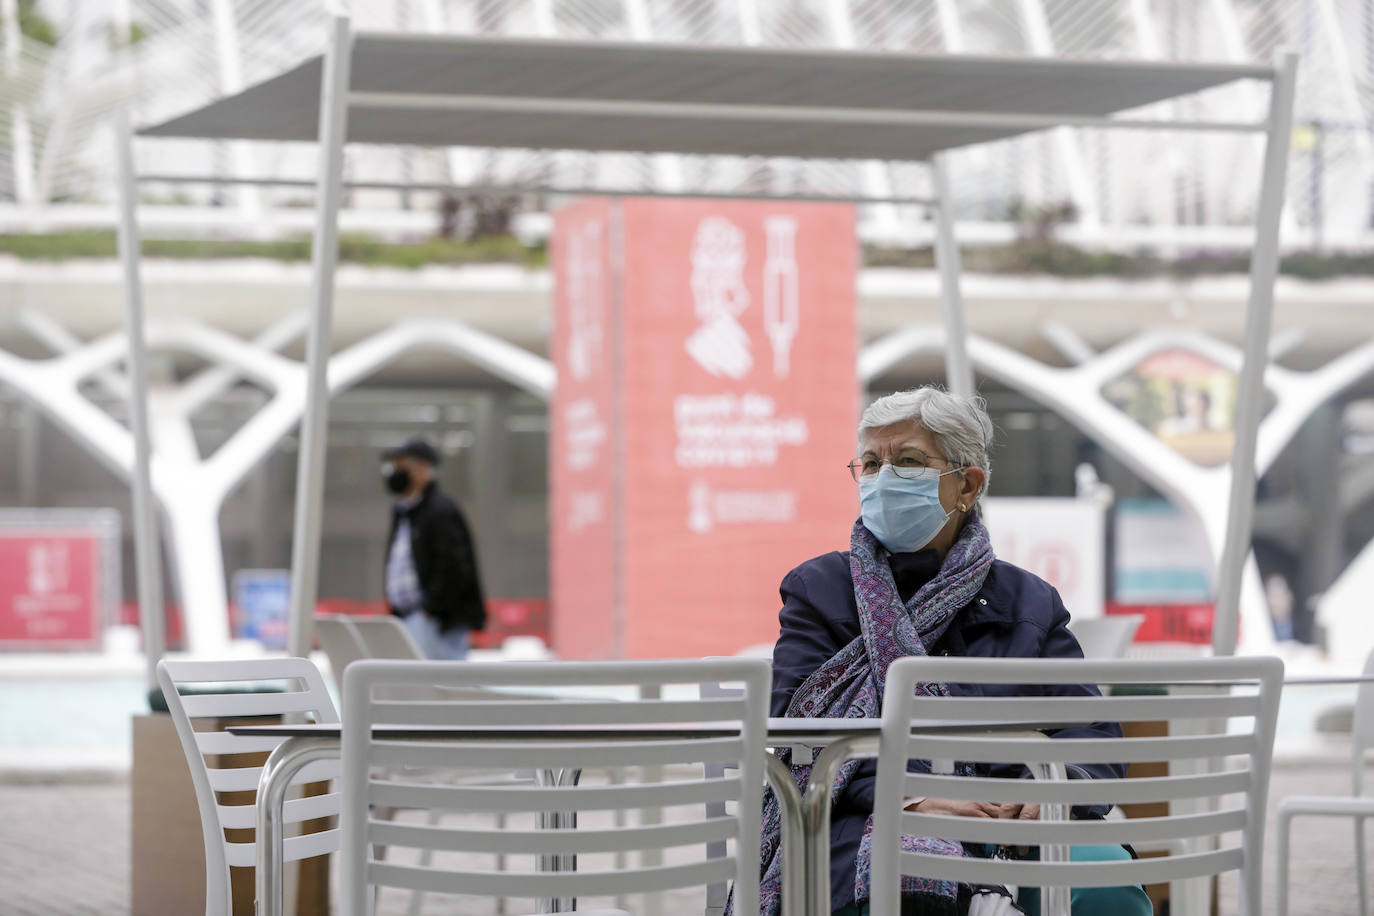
[1027, 256]
[356, 249]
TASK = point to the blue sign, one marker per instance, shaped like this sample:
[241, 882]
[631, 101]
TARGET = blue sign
[1162, 555]
[263, 599]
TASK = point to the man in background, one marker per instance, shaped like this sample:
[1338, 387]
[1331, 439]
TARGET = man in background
[432, 582]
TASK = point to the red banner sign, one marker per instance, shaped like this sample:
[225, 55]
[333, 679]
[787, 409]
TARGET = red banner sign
[706, 407]
[51, 590]
[582, 455]
[1191, 623]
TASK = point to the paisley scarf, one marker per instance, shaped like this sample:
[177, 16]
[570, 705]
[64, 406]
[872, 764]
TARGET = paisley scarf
[850, 685]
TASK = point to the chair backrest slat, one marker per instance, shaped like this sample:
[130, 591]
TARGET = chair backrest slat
[1108, 709]
[215, 743]
[1141, 789]
[247, 704]
[1155, 870]
[571, 753]
[294, 811]
[262, 687]
[310, 845]
[1083, 750]
[1220, 714]
[399, 794]
[245, 779]
[640, 880]
[235, 779]
[241, 855]
[669, 771]
[1089, 832]
[224, 671]
[519, 710]
[551, 842]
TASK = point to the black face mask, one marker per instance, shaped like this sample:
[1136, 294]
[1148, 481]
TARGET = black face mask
[397, 479]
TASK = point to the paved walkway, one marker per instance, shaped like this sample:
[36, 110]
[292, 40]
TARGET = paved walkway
[65, 851]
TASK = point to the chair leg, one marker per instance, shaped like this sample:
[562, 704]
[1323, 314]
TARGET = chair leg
[1285, 821]
[1360, 863]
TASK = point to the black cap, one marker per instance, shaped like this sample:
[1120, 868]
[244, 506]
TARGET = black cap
[415, 448]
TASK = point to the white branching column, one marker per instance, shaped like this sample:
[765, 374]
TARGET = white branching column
[1075, 394]
[190, 489]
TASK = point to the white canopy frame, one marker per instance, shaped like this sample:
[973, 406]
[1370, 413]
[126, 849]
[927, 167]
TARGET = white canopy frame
[600, 96]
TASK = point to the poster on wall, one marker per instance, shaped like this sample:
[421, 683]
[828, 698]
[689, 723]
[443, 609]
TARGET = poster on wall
[262, 602]
[1187, 400]
[731, 416]
[1063, 541]
[59, 578]
[1161, 556]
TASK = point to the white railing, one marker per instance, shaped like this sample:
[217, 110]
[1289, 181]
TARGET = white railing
[1164, 191]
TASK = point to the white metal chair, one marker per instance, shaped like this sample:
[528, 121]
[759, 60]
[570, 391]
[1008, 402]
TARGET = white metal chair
[385, 636]
[1356, 805]
[1106, 636]
[367, 688]
[286, 686]
[1240, 763]
[340, 641]
[349, 638]
[718, 892]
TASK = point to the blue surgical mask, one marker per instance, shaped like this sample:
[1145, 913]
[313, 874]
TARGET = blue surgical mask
[904, 514]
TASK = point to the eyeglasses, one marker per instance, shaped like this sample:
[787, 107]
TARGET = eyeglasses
[908, 465]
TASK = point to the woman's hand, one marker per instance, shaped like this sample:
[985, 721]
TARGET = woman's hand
[1016, 810]
[953, 807]
[1020, 812]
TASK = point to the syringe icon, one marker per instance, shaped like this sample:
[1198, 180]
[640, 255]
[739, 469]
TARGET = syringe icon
[781, 309]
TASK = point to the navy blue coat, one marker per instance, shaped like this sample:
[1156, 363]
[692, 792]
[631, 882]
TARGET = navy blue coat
[1014, 615]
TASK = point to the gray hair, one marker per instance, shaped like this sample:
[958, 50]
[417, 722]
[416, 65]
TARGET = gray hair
[960, 426]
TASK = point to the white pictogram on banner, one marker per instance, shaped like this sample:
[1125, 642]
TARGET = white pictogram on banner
[720, 345]
[585, 510]
[585, 290]
[781, 306]
[699, 508]
[707, 507]
[584, 433]
[47, 568]
[737, 431]
[1056, 562]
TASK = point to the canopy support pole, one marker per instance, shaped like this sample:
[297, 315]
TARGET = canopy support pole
[958, 371]
[147, 543]
[305, 551]
[1258, 320]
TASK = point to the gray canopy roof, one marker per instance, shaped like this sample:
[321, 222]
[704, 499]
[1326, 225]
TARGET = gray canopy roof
[446, 90]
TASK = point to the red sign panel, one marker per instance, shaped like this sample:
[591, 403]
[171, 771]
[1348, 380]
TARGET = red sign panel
[1191, 623]
[507, 617]
[583, 422]
[51, 592]
[732, 407]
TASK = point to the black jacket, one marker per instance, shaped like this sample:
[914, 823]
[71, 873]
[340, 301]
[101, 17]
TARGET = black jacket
[1014, 615]
[445, 560]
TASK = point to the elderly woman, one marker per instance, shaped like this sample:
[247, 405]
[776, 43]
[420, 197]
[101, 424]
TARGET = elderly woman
[920, 578]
